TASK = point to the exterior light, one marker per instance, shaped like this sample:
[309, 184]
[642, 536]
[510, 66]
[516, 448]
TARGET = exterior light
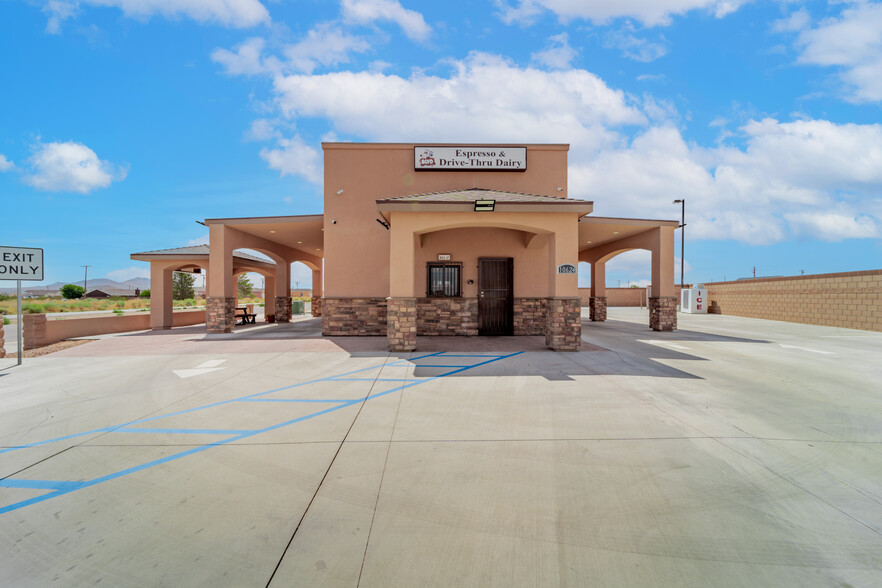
[339, 192]
[615, 232]
[273, 231]
[485, 205]
[300, 242]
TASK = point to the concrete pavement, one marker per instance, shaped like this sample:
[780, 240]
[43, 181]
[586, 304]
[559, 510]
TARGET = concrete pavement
[732, 452]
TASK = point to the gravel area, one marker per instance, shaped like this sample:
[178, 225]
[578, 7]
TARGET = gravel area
[46, 350]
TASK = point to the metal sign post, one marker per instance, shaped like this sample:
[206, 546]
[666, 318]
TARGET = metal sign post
[21, 263]
[18, 322]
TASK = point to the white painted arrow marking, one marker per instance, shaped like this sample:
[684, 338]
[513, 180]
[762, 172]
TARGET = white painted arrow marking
[204, 368]
[806, 349]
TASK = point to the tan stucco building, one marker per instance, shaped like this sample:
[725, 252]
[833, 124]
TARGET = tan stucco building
[433, 240]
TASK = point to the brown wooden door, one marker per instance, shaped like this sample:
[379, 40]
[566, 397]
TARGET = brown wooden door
[495, 296]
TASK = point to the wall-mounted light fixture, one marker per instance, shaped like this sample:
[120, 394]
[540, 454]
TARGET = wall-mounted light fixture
[559, 189]
[485, 205]
[339, 192]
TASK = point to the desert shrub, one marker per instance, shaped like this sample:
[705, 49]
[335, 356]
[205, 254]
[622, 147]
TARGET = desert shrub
[145, 293]
[70, 291]
[33, 308]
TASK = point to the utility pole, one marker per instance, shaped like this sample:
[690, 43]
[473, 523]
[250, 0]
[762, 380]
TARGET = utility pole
[86, 280]
[754, 271]
[682, 203]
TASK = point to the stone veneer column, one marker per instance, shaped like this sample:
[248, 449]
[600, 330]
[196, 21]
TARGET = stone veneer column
[220, 314]
[316, 305]
[283, 309]
[2, 339]
[663, 313]
[33, 330]
[597, 308]
[401, 323]
[563, 330]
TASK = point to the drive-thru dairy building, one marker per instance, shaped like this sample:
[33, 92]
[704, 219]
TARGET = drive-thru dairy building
[431, 240]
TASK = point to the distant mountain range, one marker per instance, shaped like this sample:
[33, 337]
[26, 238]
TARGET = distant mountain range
[96, 284]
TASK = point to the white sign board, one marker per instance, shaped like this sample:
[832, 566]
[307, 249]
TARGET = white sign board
[21, 263]
[470, 158]
[567, 268]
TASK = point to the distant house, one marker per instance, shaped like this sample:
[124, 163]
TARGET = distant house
[113, 292]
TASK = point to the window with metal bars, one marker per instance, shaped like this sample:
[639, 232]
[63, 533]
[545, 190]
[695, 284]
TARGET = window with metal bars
[444, 279]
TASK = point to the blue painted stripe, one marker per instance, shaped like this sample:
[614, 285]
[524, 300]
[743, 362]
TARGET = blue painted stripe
[63, 487]
[443, 366]
[317, 400]
[371, 379]
[40, 484]
[185, 431]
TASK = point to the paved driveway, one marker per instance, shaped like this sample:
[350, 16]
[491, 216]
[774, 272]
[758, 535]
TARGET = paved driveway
[733, 452]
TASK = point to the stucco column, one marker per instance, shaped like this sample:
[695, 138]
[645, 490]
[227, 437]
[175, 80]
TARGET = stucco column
[663, 302]
[316, 302]
[401, 304]
[161, 306]
[563, 326]
[220, 301]
[269, 298]
[597, 300]
[283, 291]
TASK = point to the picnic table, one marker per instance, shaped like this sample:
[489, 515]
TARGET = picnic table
[245, 316]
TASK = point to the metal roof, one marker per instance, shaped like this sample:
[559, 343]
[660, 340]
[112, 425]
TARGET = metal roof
[200, 250]
[472, 194]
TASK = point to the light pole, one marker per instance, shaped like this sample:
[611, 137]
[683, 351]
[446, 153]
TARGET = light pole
[682, 204]
[86, 279]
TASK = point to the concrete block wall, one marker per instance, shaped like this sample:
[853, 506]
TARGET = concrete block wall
[38, 331]
[616, 297]
[852, 300]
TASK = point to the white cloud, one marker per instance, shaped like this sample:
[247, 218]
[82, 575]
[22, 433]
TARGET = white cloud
[203, 240]
[262, 130]
[58, 11]
[558, 54]
[70, 167]
[231, 13]
[368, 11]
[325, 45]
[648, 12]
[797, 21]
[852, 42]
[833, 226]
[294, 157]
[634, 47]
[5, 164]
[792, 179]
[246, 60]
[121, 275]
[562, 106]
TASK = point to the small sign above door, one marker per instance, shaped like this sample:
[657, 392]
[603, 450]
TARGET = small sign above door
[443, 257]
[566, 268]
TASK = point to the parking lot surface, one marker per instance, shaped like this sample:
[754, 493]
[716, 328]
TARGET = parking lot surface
[731, 452]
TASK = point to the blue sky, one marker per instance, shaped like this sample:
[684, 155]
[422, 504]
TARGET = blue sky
[122, 122]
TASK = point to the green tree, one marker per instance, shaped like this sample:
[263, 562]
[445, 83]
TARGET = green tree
[182, 286]
[246, 288]
[145, 293]
[70, 291]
